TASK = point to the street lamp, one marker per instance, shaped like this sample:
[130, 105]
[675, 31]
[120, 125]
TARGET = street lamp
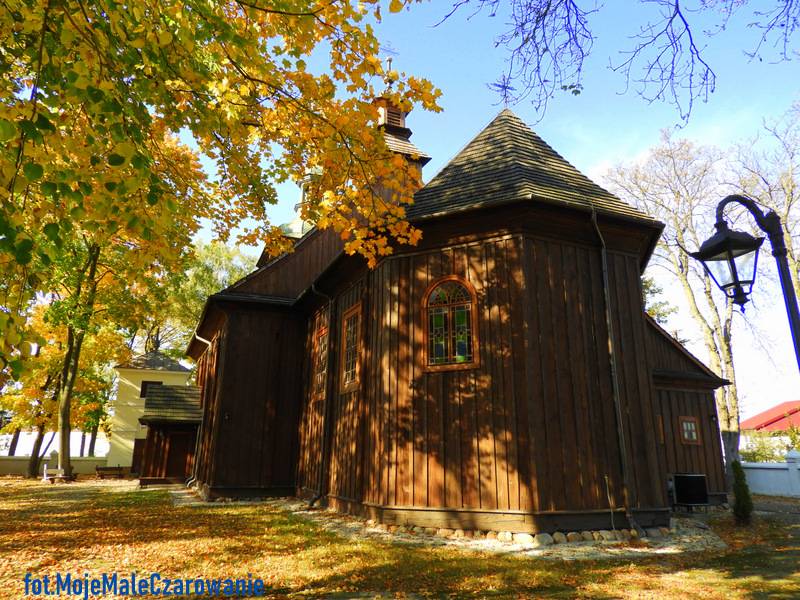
[730, 258]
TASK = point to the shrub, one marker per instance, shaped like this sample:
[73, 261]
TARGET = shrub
[742, 502]
[762, 447]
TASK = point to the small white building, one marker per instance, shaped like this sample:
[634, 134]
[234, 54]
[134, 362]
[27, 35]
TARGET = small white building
[127, 434]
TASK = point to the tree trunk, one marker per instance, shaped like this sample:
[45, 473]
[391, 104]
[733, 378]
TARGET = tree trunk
[92, 440]
[33, 461]
[83, 443]
[76, 332]
[49, 443]
[12, 449]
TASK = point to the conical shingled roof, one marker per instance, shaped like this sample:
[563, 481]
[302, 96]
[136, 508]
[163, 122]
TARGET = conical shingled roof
[507, 162]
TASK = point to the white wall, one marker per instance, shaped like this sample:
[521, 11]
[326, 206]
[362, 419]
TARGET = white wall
[18, 465]
[128, 407]
[775, 479]
[26, 439]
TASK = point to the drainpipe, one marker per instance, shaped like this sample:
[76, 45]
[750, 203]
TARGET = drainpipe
[193, 478]
[325, 419]
[612, 359]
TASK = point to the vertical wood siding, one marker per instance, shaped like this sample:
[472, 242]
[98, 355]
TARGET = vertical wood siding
[312, 412]
[292, 273]
[689, 458]
[207, 379]
[256, 429]
[532, 428]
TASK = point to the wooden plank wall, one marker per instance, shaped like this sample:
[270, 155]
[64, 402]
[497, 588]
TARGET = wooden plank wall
[639, 402]
[533, 427]
[347, 435]
[208, 367]
[444, 438]
[168, 446]
[292, 273]
[312, 412]
[256, 442]
[687, 458]
[664, 355]
[502, 437]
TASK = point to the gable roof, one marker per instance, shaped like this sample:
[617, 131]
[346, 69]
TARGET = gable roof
[173, 404]
[508, 162]
[672, 360]
[154, 361]
[777, 418]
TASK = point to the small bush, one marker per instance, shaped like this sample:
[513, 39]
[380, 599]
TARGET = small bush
[742, 502]
[762, 447]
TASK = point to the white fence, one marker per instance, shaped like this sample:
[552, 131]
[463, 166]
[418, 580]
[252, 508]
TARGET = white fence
[775, 479]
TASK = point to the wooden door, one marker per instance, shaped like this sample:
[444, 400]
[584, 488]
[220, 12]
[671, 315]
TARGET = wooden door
[179, 454]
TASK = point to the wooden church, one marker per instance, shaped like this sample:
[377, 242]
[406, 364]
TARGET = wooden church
[502, 374]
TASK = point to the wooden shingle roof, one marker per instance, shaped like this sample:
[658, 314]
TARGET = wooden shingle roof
[402, 145]
[172, 404]
[508, 162]
[154, 361]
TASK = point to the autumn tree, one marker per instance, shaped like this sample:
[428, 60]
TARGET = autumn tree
[104, 349]
[677, 184]
[767, 169]
[170, 325]
[31, 401]
[112, 276]
[93, 95]
[664, 58]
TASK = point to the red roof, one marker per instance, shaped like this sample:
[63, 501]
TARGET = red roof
[777, 418]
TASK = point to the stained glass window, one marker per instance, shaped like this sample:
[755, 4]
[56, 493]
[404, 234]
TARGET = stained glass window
[350, 329]
[450, 334]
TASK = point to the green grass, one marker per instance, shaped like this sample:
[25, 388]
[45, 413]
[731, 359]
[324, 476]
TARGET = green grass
[100, 528]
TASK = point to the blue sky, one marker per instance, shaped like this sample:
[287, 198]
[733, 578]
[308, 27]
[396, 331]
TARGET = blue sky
[603, 127]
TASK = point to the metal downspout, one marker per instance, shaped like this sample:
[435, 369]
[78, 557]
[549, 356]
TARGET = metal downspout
[612, 358]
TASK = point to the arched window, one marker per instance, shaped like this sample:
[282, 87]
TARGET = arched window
[450, 312]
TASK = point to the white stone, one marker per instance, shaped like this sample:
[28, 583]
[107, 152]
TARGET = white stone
[523, 538]
[505, 536]
[653, 532]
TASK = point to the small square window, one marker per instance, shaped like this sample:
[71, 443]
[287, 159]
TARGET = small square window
[145, 386]
[689, 430]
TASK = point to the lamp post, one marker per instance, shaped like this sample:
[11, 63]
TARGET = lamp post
[730, 258]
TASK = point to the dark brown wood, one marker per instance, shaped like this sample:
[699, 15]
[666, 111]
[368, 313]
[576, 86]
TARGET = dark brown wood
[138, 454]
[529, 429]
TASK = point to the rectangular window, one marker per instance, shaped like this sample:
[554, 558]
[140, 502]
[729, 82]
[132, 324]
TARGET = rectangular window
[320, 362]
[690, 430]
[145, 386]
[351, 326]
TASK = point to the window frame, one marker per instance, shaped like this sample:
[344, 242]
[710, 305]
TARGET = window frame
[476, 360]
[684, 439]
[145, 385]
[320, 331]
[350, 386]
